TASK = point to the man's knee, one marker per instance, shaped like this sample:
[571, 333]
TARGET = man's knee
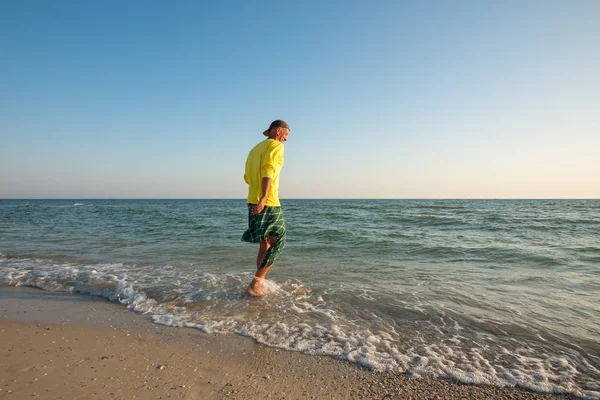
[272, 240]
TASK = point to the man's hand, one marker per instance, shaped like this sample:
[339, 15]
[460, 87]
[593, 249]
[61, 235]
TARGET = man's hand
[266, 186]
[257, 209]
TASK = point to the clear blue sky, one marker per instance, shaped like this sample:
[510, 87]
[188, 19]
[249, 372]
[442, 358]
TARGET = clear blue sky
[422, 99]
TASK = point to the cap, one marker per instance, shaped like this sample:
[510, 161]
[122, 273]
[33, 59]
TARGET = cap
[278, 123]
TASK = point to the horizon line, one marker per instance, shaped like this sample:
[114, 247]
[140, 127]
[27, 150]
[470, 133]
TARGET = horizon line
[304, 198]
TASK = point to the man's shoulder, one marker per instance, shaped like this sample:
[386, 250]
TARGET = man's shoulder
[274, 144]
[259, 146]
[267, 146]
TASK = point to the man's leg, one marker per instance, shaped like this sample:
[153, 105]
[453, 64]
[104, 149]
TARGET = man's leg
[255, 288]
[264, 246]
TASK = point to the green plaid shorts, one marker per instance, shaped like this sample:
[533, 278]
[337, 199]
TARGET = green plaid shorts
[268, 223]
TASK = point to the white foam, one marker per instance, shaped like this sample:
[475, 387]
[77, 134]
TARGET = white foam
[270, 287]
[169, 320]
[294, 318]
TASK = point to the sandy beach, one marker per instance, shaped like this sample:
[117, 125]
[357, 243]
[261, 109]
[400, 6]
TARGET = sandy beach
[59, 346]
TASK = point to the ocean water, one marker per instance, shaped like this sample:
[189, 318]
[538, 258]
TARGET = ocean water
[491, 292]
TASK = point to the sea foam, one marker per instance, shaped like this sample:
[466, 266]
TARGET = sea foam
[295, 318]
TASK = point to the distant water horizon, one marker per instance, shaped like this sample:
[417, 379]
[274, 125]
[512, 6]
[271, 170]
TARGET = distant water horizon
[304, 198]
[488, 291]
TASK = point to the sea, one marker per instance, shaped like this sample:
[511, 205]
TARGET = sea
[498, 292]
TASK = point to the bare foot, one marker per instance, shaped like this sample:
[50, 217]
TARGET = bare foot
[255, 289]
[254, 293]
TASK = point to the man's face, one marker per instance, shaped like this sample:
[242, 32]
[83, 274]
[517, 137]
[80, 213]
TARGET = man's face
[283, 132]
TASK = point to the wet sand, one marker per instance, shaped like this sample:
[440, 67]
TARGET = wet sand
[65, 346]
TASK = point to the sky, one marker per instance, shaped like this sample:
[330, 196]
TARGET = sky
[387, 99]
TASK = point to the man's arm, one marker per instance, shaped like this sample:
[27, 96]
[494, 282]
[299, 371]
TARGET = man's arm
[269, 169]
[266, 186]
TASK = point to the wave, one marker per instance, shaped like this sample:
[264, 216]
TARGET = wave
[316, 320]
[424, 219]
[490, 254]
[439, 207]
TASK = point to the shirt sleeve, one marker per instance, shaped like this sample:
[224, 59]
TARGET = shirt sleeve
[246, 171]
[272, 162]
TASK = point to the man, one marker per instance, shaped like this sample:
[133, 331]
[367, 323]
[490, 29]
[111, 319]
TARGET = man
[265, 217]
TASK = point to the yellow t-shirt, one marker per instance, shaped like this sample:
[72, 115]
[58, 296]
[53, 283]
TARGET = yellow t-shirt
[264, 161]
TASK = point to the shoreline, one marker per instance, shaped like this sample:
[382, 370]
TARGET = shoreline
[62, 345]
